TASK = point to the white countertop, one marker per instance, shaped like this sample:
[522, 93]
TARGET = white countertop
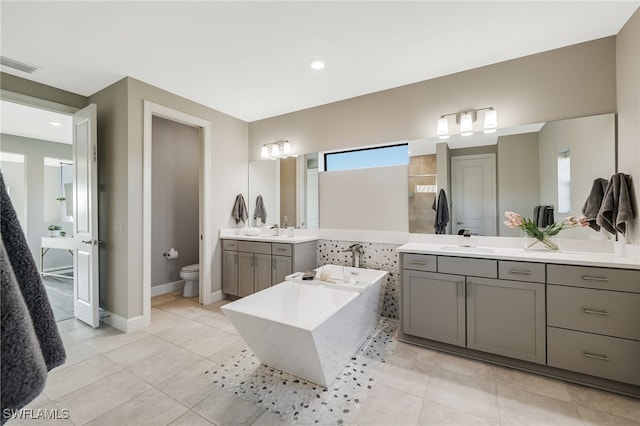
[608, 260]
[265, 236]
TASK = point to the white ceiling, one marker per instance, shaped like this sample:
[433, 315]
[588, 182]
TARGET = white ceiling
[251, 59]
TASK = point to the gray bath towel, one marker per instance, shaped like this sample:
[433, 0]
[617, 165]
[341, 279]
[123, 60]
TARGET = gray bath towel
[543, 216]
[593, 202]
[24, 371]
[239, 211]
[442, 213]
[38, 316]
[617, 205]
[260, 211]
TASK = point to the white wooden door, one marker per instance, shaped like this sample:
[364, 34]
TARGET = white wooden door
[85, 217]
[473, 188]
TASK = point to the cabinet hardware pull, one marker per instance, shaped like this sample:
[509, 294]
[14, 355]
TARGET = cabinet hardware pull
[588, 278]
[280, 249]
[417, 263]
[459, 288]
[520, 272]
[595, 312]
[594, 356]
[469, 289]
[273, 263]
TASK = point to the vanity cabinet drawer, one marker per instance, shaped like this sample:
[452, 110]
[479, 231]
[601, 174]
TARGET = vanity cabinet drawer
[281, 249]
[419, 262]
[602, 356]
[229, 245]
[521, 271]
[486, 268]
[592, 277]
[597, 311]
[254, 247]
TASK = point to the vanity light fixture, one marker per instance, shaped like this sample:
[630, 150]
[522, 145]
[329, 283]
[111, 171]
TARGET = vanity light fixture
[465, 120]
[275, 150]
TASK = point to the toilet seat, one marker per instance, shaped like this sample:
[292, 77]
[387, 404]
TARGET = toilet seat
[191, 268]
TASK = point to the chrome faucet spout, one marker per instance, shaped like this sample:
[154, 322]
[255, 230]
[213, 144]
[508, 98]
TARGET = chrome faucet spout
[356, 251]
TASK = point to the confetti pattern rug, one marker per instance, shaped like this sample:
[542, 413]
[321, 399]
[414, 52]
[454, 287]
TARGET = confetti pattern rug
[299, 401]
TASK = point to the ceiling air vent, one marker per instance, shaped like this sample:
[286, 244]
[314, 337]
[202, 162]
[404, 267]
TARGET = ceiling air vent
[20, 66]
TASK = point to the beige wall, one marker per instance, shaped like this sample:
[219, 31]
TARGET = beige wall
[570, 82]
[122, 141]
[628, 78]
[536, 88]
[40, 91]
[518, 178]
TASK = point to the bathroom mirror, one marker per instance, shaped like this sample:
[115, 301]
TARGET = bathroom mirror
[526, 173]
[289, 190]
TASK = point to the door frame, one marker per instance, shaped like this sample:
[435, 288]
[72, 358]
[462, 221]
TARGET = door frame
[205, 200]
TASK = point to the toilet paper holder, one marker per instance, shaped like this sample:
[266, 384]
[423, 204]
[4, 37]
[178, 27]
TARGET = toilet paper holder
[170, 254]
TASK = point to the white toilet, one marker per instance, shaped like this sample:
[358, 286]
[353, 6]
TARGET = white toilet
[191, 276]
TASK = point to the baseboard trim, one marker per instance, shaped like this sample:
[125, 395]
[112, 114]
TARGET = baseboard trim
[126, 325]
[217, 296]
[158, 290]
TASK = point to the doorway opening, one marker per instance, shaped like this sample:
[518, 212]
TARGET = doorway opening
[36, 162]
[153, 112]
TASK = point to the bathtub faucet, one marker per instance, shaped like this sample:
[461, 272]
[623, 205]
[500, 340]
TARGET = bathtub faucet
[356, 251]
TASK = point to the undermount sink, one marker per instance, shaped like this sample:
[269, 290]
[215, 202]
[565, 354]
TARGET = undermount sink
[468, 248]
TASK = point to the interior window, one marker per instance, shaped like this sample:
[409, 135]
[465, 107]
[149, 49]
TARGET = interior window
[391, 155]
[564, 181]
[12, 166]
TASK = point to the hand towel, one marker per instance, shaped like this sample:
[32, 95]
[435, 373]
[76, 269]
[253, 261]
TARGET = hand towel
[593, 202]
[617, 206]
[260, 211]
[543, 216]
[239, 211]
[536, 215]
[442, 213]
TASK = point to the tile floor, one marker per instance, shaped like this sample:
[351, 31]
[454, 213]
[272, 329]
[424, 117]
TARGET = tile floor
[155, 376]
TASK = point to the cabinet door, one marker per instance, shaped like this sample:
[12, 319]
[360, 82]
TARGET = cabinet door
[230, 272]
[281, 266]
[434, 306]
[506, 318]
[245, 274]
[262, 271]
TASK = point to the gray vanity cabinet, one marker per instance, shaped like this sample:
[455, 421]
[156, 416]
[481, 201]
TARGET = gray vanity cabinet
[434, 305]
[593, 321]
[254, 267]
[506, 318]
[230, 267]
[465, 303]
[251, 266]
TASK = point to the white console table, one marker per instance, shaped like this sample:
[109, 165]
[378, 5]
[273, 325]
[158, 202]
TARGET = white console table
[60, 243]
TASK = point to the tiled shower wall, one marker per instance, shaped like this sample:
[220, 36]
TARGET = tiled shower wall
[376, 256]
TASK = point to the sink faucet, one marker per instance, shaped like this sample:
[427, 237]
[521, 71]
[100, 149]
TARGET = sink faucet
[356, 251]
[466, 233]
[276, 230]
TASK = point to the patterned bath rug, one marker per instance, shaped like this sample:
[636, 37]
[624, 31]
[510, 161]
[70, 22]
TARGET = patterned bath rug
[298, 401]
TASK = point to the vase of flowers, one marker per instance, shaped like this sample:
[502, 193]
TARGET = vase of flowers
[543, 238]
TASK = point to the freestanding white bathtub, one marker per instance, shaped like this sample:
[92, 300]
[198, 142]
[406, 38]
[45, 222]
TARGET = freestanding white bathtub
[311, 329]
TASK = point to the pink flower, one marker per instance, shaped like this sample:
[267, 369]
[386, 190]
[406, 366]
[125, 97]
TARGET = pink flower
[514, 220]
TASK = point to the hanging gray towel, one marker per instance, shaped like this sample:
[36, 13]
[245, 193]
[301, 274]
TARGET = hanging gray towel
[260, 211]
[617, 206]
[543, 216]
[593, 202]
[442, 213]
[37, 314]
[239, 211]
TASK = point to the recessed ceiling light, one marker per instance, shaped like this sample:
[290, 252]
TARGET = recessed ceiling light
[317, 65]
[55, 123]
